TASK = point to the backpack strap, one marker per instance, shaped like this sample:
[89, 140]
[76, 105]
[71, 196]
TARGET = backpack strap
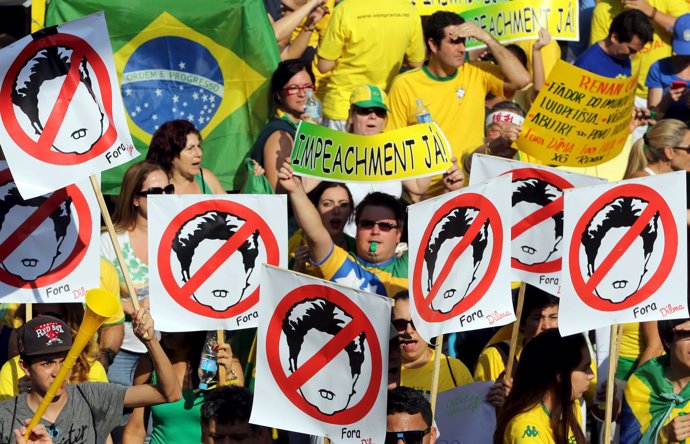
[450, 370]
[93, 417]
[503, 349]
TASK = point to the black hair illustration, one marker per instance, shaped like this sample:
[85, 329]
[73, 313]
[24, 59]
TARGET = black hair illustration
[47, 64]
[539, 192]
[453, 225]
[215, 225]
[61, 217]
[622, 212]
[326, 317]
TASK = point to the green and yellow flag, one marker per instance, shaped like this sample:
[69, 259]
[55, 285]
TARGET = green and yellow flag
[208, 61]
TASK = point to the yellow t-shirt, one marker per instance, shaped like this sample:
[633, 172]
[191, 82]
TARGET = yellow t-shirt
[534, 426]
[420, 378]
[490, 363]
[632, 341]
[658, 48]
[11, 373]
[456, 103]
[354, 39]
[111, 282]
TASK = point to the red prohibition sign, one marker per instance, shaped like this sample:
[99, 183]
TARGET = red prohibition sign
[41, 149]
[538, 216]
[44, 211]
[292, 383]
[585, 289]
[486, 211]
[182, 294]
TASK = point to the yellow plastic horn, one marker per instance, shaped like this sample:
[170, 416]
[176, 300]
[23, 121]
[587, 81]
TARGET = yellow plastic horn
[100, 305]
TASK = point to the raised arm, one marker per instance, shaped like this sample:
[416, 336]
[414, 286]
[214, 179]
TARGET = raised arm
[167, 387]
[318, 239]
[516, 76]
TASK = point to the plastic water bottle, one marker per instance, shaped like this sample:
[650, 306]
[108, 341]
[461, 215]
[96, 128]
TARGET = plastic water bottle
[312, 107]
[208, 366]
[423, 114]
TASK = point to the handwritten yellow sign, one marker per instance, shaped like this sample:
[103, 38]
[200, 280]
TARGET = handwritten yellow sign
[405, 153]
[512, 20]
[578, 118]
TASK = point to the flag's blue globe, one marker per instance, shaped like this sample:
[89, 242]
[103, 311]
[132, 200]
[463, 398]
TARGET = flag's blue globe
[170, 78]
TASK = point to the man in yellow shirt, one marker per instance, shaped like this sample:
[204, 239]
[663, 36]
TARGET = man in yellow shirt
[353, 50]
[453, 90]
[418, 357]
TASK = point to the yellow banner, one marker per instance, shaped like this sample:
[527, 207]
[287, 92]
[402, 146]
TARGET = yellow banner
[578, 118]
[512, 20]
[415, 151]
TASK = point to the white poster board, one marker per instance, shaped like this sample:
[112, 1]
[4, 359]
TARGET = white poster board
[537, 203]
[459, 264]
[322, 358]
[49, 245]
[625, 253]
[61, 111]
[205, 256]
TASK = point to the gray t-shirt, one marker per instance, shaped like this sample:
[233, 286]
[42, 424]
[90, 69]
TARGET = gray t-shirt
[91, 404]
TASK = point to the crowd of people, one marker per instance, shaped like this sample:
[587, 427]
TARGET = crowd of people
[372, 63]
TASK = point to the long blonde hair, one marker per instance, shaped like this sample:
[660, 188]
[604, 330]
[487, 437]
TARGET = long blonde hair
[650, 148]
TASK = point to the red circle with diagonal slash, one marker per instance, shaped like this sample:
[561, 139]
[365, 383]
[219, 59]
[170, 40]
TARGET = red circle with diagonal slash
[75, 257]
[182, 294]
[486, 210]
[41, 149]
[585, 290]
[360, 323]
[538, 216]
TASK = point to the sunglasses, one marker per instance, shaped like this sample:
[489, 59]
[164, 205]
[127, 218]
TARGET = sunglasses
[380, 112]
[684, 148]
[401, 324]
[169, 189]
[408, 437]
[292, 90]
[385, 227]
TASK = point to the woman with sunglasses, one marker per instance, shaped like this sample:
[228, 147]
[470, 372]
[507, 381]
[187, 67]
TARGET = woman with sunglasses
[130, 218]
[290, 83]
[176, 147]
[664, 148]
[543, 405]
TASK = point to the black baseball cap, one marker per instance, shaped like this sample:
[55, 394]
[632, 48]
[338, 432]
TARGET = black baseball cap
[43, 335]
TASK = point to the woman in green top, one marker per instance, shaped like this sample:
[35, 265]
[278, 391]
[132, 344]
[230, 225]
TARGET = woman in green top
[176, 147]
[178, 422]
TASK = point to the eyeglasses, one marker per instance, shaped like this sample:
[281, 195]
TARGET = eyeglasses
[380, 112]
[408, 437]
[292, 90]
[385, 227]
[684, 148]
[401, 324]
[169, 189]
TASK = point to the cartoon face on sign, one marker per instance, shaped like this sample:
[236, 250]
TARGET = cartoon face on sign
[198, 239]
[446, 234]
[35, 255]
[308, 327]
[529, 196]
[602, 234]
[37, 92]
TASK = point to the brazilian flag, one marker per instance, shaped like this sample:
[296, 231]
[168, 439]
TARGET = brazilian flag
[206, 61]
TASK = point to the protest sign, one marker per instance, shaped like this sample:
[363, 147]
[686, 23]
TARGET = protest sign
[48, 244]
[322, 358]
[464, 416]
[459, 264]
[579, 118]
[625, 253]
[206, 254]
[405, 153]
[509, 21]
[537, 233]
[61, 111]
